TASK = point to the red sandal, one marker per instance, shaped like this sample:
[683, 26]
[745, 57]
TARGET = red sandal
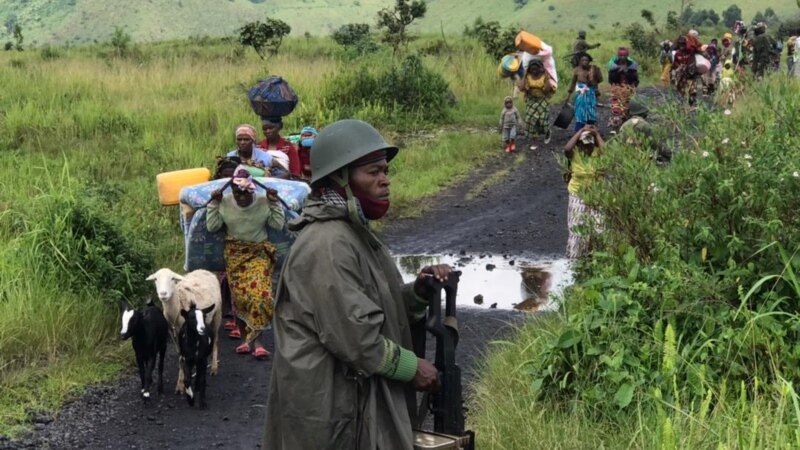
[235, 334]
[230, 325]
[243, 349]
[260, 353]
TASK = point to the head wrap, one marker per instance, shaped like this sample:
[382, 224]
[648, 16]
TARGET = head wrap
[246, 130]
[242, 180]
[727, 36]
[310, 130]
[622, 51]
[587, 137]
[276, 121]
[694, 33]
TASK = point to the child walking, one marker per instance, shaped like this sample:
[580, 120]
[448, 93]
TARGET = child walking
[509, 120]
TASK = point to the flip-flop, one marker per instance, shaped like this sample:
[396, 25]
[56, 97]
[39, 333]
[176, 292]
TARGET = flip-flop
[260, 353]
[235, 334]
[230, 325]
[243, 349]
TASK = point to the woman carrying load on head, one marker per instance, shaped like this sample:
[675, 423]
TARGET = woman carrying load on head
[581, 151]
[538, 88]
[623, 76]
[271, 126]
[249, 255]
[585, 80]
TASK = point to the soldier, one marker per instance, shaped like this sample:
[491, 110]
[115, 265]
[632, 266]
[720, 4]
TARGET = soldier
[344, 374]
[581, 46]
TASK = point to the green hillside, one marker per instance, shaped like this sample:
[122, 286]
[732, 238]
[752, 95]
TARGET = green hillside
[81, 21]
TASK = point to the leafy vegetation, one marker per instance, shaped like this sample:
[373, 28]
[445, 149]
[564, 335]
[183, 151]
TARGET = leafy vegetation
[395, 21]
[682, 329]
[496, 40]
[265, 38]
[355, 38]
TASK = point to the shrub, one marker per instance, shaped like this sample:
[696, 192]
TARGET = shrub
[265, 38]
[732, 14]
[50, 53]
[642, 42]
[693, 281]
[120, 41]
[495, 40]
[406, 93]
[355, 38]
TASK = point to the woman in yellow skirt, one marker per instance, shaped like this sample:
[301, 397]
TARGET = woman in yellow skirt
[249, 255]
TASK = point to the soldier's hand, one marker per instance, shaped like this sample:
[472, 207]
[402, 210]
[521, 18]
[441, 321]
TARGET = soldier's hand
[439, 271]
[427, 376]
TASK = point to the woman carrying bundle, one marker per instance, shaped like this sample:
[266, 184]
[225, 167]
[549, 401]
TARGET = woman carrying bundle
[249, 255]
[585, 81]
[538, 89]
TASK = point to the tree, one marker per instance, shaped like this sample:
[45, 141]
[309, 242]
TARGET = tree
[18, 37]
[495, 40]
[120, 41]
[394, 21]
[731, 15]
[355, 37]
[673, 24]
[265, 38]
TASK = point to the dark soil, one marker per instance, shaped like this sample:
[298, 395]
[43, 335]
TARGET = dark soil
[524, 215]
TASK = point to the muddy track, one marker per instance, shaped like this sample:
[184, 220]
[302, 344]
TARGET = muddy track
[523, 215]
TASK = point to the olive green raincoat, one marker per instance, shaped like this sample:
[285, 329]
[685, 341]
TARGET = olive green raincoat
[340, 295]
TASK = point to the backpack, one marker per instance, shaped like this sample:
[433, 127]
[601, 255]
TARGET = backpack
[272, 97]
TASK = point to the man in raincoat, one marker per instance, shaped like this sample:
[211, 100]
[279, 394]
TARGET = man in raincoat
[344, 375]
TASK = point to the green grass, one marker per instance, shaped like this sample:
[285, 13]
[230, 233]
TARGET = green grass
[87, 21]
[506, 415]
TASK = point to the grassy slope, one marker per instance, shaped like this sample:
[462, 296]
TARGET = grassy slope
[47, 21]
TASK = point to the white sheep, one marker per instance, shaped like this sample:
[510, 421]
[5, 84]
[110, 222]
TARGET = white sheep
[176, 293]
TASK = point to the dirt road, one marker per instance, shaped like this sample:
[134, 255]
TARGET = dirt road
[525, 215]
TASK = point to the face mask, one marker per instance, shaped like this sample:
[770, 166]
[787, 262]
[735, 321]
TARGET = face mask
[307, 142]
[373, 209]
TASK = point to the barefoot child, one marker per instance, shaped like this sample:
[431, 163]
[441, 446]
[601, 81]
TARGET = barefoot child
[509, 119]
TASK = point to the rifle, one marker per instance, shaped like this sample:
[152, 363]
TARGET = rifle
[446, 405]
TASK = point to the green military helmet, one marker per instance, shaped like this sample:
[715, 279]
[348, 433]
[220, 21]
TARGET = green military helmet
[342, 143]
[636, 125]
[637, 109]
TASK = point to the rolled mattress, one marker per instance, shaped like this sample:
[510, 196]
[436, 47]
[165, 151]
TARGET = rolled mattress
[205, 250]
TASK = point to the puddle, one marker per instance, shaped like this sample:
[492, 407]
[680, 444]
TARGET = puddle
[501, 282]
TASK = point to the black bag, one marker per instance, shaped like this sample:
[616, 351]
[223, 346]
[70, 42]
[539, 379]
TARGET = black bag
[272, 97]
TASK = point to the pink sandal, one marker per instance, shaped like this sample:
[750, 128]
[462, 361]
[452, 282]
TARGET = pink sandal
[230, 325]
[260, 353]
[235, 334]
[243, 349]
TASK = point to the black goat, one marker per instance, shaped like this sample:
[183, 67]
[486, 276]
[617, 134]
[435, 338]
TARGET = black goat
[149, 332]
[195, 342]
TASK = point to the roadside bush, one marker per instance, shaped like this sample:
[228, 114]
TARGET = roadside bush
[87, 252]
[497, 41]
[404, 94]
[355, 38]
[693, 283]
[49, 53]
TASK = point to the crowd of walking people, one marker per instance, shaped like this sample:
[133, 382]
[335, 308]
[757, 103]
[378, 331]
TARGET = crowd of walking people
[689, 67]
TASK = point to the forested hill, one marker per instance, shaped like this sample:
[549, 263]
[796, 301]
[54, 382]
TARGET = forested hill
[85, 21]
